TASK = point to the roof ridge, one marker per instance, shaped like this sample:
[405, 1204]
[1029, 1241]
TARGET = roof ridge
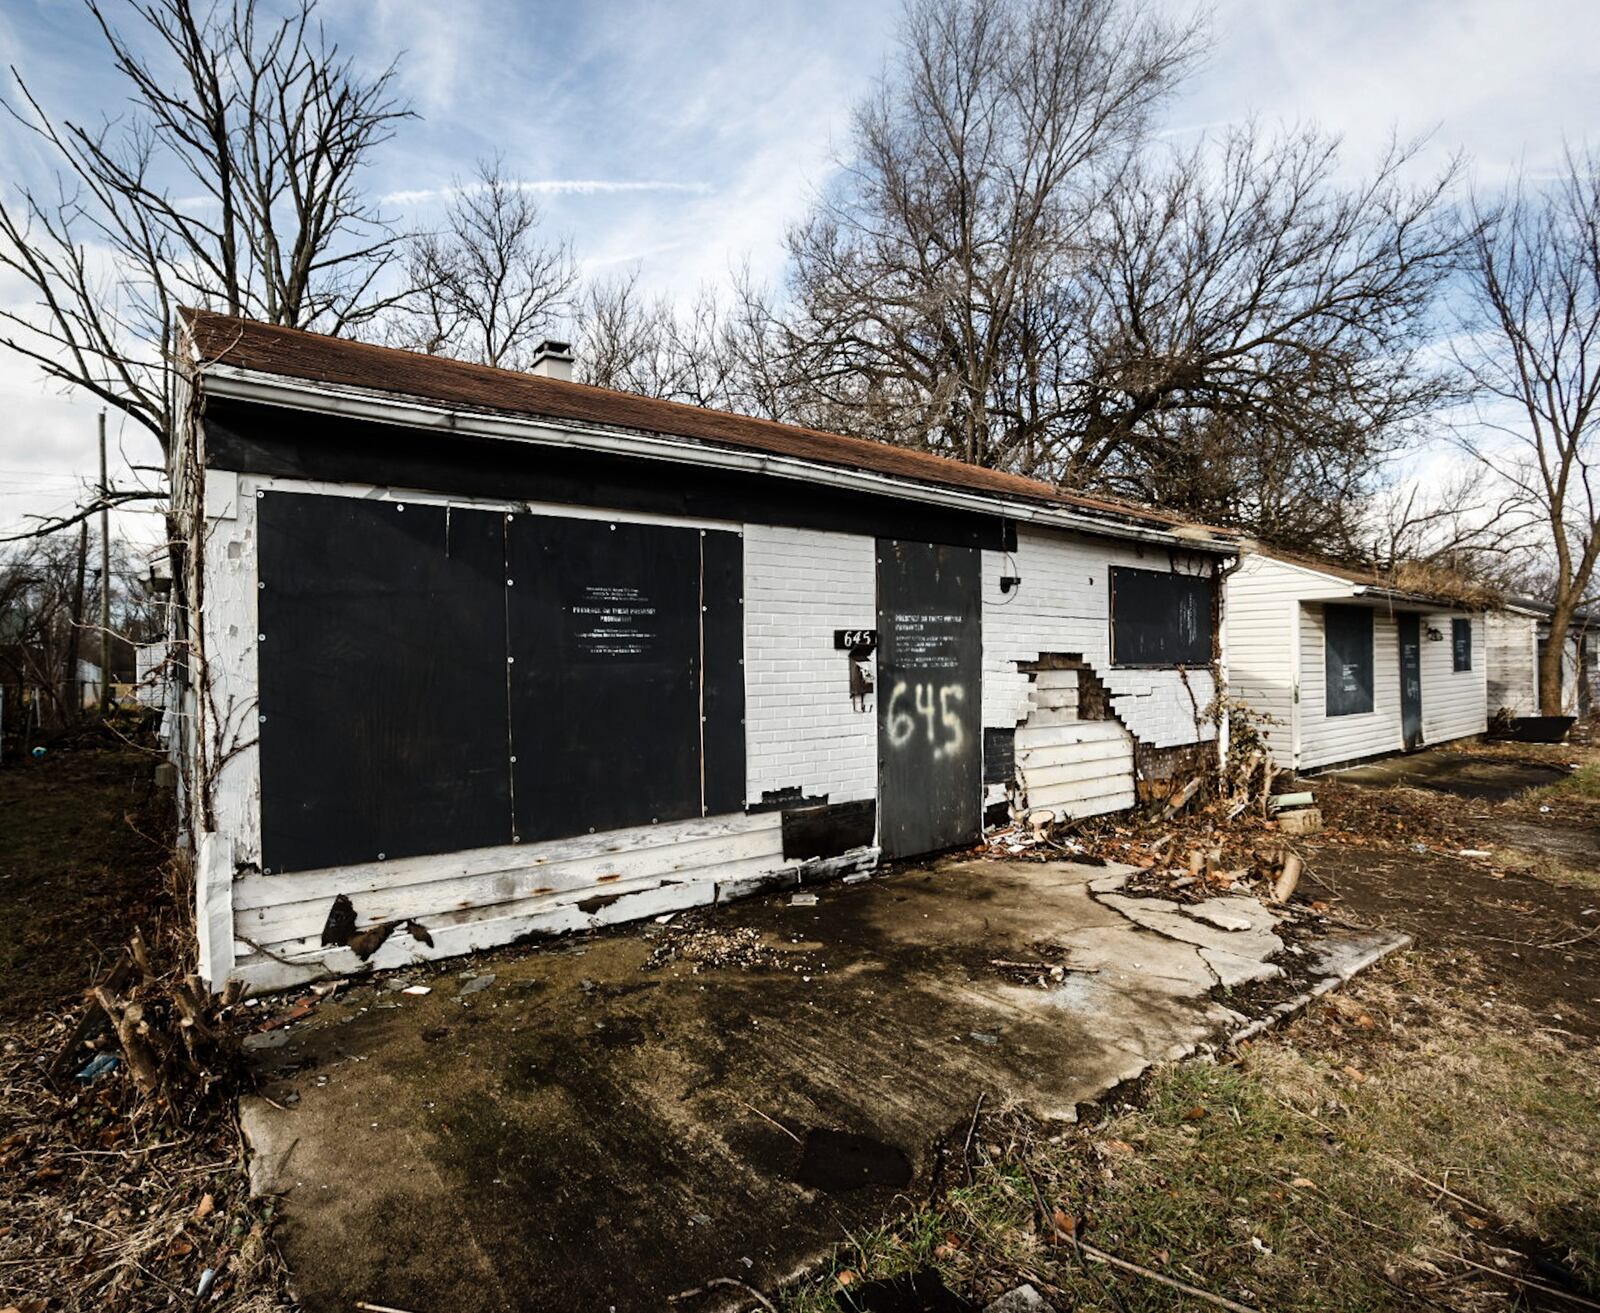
[571, 401]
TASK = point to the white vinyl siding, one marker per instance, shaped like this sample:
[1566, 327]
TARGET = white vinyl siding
[1454, 702]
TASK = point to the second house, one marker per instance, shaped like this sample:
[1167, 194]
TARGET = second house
[1342, 664]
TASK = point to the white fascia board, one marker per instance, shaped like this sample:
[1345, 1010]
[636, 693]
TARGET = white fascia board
[358, 403]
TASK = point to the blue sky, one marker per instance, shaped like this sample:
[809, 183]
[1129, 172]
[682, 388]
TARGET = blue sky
[700, 129]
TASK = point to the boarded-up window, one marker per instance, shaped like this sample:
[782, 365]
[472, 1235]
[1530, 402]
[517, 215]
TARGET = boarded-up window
[1348, 660]
[1461, 643]
[1159, 618]
[436, 679]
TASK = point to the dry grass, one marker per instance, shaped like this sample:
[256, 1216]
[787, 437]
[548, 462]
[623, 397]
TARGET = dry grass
[107, 1202]
[103, 1207]
[1364, 1158]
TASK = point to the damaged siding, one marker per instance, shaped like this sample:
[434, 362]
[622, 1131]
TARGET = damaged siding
[1262, 634]
[1062, 605]
[1511, 653]
[479, 899]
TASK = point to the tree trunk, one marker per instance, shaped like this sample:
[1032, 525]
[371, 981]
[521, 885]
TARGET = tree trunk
[1550, 661]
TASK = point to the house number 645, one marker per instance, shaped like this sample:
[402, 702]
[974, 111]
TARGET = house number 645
[935, 706]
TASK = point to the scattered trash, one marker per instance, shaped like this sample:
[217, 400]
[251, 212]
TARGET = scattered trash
[98, 1065]
[207, 1280]
[1474, 852]
[1024, 1299]
[416, 989]
[857, 878]
[803, 900]
[984, 1038]
[476, 985]
[665, 918]
[1300, 820]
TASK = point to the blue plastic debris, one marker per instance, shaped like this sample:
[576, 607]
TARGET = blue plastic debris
[98, 1066]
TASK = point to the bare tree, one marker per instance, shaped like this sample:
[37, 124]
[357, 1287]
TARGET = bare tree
[1532, 348]
[1254, 334]
[232, 182]
[972, 175]
[42, 620]
[486, 286]
[1013, 274]
[723, 349]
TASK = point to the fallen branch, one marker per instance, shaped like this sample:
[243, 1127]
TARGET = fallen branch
[765, 1118]
[1149, 1274]
[966, 1149]
[1529, 1282]
[712, 1284]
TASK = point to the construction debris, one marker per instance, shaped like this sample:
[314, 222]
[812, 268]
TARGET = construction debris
[707, 947]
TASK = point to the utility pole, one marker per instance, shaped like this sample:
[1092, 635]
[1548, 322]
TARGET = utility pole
[73, 697]
[105, 576]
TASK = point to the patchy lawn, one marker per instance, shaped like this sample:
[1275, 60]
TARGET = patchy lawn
[1398, 1145]
[1424, 1138]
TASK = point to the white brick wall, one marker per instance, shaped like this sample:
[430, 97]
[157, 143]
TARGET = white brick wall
[800, 728]
[1063, 605]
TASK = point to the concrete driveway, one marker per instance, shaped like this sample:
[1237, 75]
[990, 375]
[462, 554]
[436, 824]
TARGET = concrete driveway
[612, 1120]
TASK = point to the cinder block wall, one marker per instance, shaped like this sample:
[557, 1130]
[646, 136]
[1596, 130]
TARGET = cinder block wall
[800, 727]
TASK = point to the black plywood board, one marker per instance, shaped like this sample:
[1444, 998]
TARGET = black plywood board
[1347, 660]
[1408, 625]
[257, 439]
[604, 619]
[723, 618]
[829, 829]
[1161, 618]
[382, 680]
[929, 693]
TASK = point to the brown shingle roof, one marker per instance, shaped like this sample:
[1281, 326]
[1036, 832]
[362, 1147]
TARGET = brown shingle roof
[295, 353]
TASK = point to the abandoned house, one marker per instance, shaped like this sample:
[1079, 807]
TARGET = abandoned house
[1517, 635]
[1341, 665]
[473, 656]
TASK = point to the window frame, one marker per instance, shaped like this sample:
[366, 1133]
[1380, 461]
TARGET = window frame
[1460, 625]
[1329, 611]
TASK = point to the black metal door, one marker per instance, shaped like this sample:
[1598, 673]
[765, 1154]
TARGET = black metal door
[1410, 680]
[930, 658]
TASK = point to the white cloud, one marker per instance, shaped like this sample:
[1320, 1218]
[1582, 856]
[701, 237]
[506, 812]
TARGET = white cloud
[547, 187]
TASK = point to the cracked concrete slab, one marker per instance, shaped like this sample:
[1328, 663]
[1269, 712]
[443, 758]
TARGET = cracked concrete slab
[585, 1098]
[1168, 918]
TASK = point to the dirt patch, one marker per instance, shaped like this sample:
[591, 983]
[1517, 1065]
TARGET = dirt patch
[1482, 775]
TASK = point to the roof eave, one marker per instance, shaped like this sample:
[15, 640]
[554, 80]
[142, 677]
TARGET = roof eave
[1385, 594]
[236, 383]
